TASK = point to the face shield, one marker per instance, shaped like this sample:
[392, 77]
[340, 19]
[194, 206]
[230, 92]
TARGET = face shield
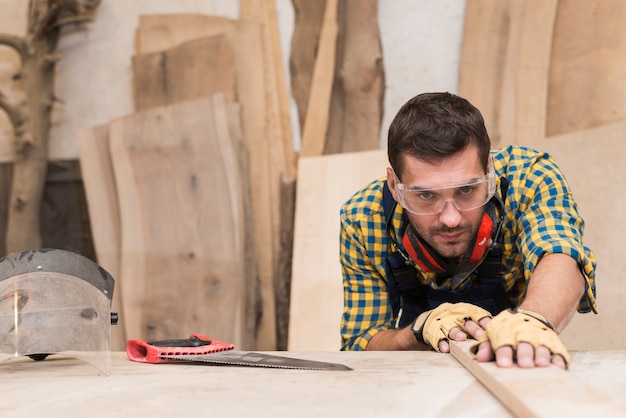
[55, 302]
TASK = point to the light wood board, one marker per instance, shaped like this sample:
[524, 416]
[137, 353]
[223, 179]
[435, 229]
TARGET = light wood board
[427, 384]
[276, 95]
[318, 107]
[179, 191]
[539, 392]
[504, 68]
[324, 183]
[193, 69]
[101, 194]
[282, 158]
[433, 384]
[159, 32]
[588, 69]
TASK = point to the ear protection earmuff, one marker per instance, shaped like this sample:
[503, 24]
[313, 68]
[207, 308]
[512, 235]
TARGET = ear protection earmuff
[427, 259]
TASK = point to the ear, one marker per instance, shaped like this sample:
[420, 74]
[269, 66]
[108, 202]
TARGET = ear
[391, 182]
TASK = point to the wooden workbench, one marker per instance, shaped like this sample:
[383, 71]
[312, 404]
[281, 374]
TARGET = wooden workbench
[381, 384]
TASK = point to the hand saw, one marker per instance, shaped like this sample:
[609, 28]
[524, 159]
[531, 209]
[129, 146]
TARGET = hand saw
[199, 348]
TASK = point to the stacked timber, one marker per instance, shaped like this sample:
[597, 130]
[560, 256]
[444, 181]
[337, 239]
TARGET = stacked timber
[185, 194]
[192, 197]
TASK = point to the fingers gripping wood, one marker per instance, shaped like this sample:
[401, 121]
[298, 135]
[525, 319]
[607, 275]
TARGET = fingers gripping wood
[436, 325]
[509, 328]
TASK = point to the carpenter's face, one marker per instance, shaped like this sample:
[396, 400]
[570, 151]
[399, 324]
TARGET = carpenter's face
[447, 185]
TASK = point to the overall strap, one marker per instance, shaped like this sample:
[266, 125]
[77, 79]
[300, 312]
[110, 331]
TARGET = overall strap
[402, 275]
[398, 270]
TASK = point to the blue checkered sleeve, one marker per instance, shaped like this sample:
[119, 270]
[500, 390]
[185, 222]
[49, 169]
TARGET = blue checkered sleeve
[363, 248]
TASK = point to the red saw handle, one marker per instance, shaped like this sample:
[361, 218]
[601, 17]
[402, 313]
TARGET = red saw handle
[144, 352]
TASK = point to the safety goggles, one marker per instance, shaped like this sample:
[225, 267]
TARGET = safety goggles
[431, 201]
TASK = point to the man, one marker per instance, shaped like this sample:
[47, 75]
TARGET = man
[459, 241]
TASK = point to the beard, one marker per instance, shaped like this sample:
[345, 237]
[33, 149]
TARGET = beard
[448, 242]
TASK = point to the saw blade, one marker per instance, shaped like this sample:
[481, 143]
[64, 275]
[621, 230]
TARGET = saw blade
[251, 359]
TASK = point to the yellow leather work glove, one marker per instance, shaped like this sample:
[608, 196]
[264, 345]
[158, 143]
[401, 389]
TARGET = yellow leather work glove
[511, 327]
[433, 326]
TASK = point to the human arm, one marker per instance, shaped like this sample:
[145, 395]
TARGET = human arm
[546, 230]
[363, 247]
[555, 289]
[554, 292]
[396, 339]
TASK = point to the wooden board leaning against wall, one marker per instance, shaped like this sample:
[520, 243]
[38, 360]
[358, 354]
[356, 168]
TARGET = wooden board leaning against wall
[157, 33]
[530, 99]
[214, 72]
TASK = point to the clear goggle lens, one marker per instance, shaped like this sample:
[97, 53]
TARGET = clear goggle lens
[464, 197]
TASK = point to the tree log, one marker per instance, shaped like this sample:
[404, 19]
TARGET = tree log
[356, 108]
[31, 118]
[358, 89]
[304, 43]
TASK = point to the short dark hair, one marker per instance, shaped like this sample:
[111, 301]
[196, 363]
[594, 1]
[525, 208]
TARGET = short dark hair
[433, 126]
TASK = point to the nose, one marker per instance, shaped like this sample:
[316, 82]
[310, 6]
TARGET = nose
[450, 215]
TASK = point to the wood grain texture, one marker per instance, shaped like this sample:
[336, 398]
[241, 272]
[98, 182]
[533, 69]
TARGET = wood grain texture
[356, 107]
[179, 190]
[308, 17]
[193, 69]
[318, 108]
[505, 60]
[588, 69]
[427, 384]
[538, 392]
[282, 166]
[324, 183]
[158, 32]
[277, 97]
[102, 203]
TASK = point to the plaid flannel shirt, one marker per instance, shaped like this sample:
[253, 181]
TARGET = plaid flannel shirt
[541, 217]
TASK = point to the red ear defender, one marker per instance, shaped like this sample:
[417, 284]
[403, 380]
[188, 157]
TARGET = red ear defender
[484, 238]
[426, 260]
[425, 257]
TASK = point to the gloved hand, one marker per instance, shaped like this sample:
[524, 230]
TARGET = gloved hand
[433, 326]
[511, 327]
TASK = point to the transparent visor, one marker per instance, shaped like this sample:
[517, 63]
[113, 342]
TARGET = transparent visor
[464, 196]
[43, 313]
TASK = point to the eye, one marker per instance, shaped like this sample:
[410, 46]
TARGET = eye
[466, 190]
[426, 195]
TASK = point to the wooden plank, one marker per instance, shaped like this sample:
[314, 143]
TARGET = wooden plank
[158, 32]
[282, 158]
[324, 183]
[277, 98]
[179, 191]
[505, 65]
[533, 69]
[588, 69]
[308, 17]
[102, 203]
[538, 392]
[62, 387]
[316, 121]
[356, 107]
[193, 69]
[432, 383]
[483, 52]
